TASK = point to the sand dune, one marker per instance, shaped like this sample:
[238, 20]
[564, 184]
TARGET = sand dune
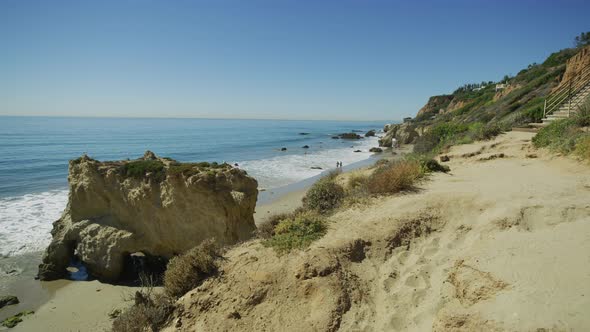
[502, 243]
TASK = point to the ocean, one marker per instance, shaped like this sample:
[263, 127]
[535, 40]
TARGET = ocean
[34, 155]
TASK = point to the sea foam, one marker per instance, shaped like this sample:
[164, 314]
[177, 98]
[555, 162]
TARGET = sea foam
[25, 221]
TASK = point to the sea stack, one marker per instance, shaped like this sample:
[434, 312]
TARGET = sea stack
[152, 205]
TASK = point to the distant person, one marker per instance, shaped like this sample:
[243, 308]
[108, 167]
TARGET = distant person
[394, 143]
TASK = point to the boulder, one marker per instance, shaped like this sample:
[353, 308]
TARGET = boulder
[305, 147]
[370, 133]
[358, 151]
[8, 300]
[404, 133]
[303, 133]
[444, 158]
[335, 137]
[377, 150]
[158, 207]
[350, 136]
[283, 149]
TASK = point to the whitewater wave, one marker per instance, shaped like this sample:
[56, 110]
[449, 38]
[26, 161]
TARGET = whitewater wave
[283, 170]
[25, 221]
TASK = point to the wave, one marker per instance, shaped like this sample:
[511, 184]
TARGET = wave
[25, 221]
[283, 170]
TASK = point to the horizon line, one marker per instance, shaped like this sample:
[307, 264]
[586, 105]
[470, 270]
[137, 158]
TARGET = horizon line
[186, 117]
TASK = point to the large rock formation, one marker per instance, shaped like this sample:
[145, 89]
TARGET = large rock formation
[404, 133]
[152, 205]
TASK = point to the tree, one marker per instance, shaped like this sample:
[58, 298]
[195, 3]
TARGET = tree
[583, 39]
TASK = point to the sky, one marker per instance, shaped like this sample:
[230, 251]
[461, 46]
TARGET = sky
[266, 59]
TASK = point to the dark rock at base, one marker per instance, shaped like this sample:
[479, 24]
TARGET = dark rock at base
[335, 137]
[376, 150]
[283, 149]
[358, 151]
[303, 133]
[444, 158]
[8, 300]
[316, 167]
[305, 147]
[370, 133]
[350, 136]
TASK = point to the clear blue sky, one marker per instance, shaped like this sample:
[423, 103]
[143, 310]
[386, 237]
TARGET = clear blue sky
[265, 59]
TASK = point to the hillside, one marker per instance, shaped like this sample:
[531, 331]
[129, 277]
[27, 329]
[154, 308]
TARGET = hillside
[446, 257]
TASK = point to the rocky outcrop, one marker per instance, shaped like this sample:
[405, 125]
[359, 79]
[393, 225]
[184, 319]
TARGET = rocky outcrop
[404, 133]
[152, 205]
[370, 133]
[434, 105]
[575, 65]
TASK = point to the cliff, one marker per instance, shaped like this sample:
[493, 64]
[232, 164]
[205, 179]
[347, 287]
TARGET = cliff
[575, 65]
[152, 205]
[434, 105]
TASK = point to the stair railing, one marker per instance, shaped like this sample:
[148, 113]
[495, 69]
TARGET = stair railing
[567, 92]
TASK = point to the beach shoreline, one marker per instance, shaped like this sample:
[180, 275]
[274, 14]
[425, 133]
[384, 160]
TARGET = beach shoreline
[54, 301]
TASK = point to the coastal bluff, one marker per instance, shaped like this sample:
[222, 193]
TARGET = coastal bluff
[153, 206]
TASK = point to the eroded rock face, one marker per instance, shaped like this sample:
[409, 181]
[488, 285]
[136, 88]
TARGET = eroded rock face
[575, 65]
[404, 133]
[151, 205]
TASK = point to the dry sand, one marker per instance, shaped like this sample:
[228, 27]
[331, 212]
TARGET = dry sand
[502, 243]
[499, 244]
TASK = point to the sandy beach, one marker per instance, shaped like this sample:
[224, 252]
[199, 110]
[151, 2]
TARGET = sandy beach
[509, 251]
[66, 305]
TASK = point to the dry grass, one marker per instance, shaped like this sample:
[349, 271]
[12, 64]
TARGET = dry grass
[150, 311]
[357, 180]
[583, 147]
[395, 177]
[188, 271]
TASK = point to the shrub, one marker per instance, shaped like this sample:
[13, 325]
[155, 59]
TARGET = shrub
[188, 271]
[357, 180]
[582, 116]
[324, 195]
[267, 228]
[560, 135]
[583, 147]
[139, 168]
[431, 165]
[150, 312]
[395, 177]
[297, 232]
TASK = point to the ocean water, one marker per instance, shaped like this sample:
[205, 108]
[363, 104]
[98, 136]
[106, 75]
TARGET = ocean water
[34, 154]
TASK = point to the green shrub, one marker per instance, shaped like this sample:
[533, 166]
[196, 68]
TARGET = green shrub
[140, 168]
[395, 177]
[187, 271]
[267, 228]
[297, 232]
[324, 195]
[557, 135]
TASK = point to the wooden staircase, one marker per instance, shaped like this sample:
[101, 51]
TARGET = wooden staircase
[564, 102]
